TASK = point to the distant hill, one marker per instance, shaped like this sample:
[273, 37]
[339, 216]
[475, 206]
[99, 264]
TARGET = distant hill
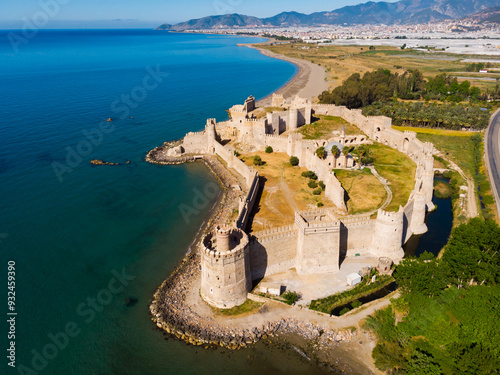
[490, 15]
[401, 12]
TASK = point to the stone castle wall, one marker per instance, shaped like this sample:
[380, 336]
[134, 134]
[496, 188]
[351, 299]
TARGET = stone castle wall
[317, 241]
[225, 275]
[273, 251]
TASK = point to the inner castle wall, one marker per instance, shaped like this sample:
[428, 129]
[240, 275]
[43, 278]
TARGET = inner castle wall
[317, 241]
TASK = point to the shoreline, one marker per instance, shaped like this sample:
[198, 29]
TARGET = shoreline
[309, 81]
[176, 305]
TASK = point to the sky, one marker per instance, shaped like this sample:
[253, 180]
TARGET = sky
[53, 14]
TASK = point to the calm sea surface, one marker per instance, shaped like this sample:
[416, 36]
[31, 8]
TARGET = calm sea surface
[71, 227]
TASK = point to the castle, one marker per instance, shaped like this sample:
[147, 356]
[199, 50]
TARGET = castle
[318, 241]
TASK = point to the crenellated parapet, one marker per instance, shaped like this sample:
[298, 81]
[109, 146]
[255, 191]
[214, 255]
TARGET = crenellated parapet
[225, 267]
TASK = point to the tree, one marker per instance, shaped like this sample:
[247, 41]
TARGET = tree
[335, 151]
[269, 150]
[321, 152]
[294, 161]
[257, 160]
[473, 253]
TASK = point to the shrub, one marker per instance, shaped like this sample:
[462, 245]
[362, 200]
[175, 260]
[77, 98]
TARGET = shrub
[321, 185]
[257, 160]
[310, 174]
[312, 184]
[269, 150]
[320, 204]
[345, 310]
[236, 153]
[356, 304]
[291, 297]
[321, 152]
[294, 161]
[317, 191]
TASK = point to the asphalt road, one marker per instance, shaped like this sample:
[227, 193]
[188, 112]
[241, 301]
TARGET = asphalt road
[493, 155]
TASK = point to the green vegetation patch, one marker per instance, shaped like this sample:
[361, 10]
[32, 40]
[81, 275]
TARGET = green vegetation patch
[324, 126]
[432, 115]
[247, 307]
[366, 193]
[442, 189]
[446, 321]
[398, 169]
[364, 288]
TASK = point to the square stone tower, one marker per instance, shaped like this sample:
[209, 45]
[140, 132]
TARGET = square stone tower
[318, 244]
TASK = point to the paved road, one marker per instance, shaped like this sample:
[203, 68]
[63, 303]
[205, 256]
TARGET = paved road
[492, 141]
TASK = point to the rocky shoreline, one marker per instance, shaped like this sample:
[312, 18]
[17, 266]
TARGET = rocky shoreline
[171, 313]
[169, 308]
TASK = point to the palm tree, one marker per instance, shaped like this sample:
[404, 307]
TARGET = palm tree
[335, 151]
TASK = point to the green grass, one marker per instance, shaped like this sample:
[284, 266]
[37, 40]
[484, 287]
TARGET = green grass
[398, 169]
[324, 127]
[247, 307]
[366, 193]
[329, 303]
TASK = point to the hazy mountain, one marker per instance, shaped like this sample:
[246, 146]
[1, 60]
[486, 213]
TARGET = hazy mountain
[490, 15]
[404, 11]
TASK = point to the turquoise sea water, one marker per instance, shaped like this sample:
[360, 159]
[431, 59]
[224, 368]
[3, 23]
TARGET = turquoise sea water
[70, 227]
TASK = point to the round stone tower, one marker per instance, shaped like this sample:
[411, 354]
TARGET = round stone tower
[417, 225]
[294, 118]
[388, 235]
[225, 267]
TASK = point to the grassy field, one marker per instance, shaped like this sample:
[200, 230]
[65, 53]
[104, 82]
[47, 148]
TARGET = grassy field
[285, 191]
[398, 169]
[366, 193]
[459, 148]
[342, 61]
[247, 307]
[434, 131]
[325, 126]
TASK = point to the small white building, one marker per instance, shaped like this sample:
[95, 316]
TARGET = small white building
[353, 279]
[271, 289]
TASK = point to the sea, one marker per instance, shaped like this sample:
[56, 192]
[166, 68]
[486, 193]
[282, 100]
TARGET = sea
[84, 247]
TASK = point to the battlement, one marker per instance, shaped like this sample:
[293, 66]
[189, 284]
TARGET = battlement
[410, 133]
[355, 220]
[195, 133]
[316, 221]
[275, 136]
[390, 216]
[211, 121]
[238, 242]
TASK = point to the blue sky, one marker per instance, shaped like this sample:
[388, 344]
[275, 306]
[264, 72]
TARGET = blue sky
[145, 13]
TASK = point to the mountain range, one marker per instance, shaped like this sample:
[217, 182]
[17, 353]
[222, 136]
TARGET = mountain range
[401, 12]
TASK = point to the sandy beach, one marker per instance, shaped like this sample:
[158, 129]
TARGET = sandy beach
[309, 82]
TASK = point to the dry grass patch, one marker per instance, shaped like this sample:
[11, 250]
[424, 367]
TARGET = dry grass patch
[398, 169]
[366, 192]
[325, 126]
[434, 131]
[285, 191]
[342, 61]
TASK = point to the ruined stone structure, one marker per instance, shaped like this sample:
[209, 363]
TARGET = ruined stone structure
[318, 241]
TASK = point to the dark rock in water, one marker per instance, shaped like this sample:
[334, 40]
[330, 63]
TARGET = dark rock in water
[131, 301]
[101, 162]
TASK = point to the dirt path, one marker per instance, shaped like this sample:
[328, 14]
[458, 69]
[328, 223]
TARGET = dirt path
[383, 181]
[287, 193]
[471, 206]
